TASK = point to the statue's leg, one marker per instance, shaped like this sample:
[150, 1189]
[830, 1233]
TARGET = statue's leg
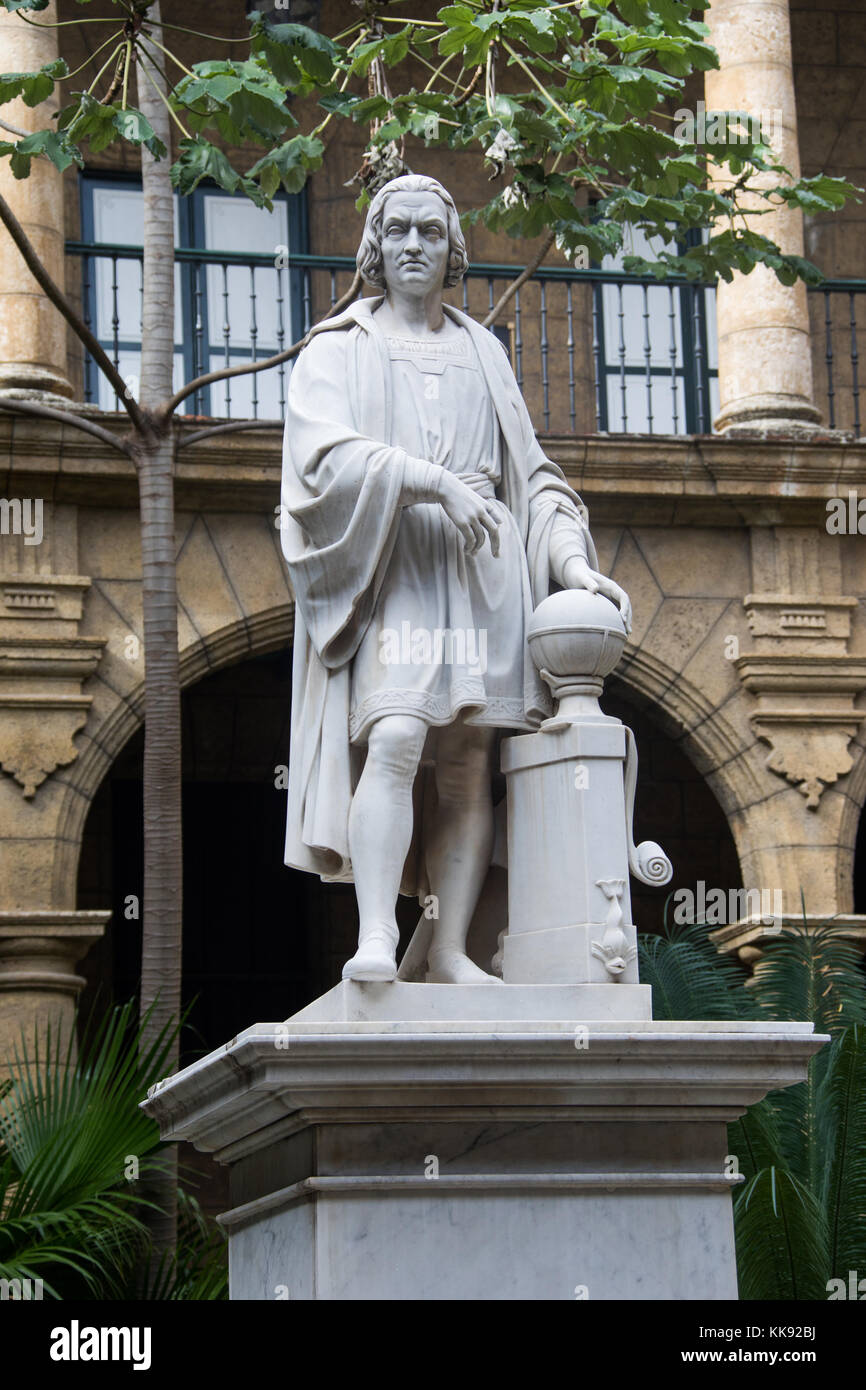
[459, 849]
[380, 833]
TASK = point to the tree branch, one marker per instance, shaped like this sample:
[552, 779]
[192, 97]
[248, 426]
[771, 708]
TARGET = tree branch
[229, 428]
[14, 129]
[510, 291]
[60, 302]
[164, 411]
[466, 94]
[66, 417]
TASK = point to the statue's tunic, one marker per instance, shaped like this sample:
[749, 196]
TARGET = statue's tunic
[360, 433]
[449, 629]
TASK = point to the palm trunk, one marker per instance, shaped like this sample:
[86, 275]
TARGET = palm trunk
[161, 940]
[155, 458]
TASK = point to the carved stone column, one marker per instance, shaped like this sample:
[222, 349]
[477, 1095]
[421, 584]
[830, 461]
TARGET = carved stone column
[32, 333]
[765, 356]
[38, 981]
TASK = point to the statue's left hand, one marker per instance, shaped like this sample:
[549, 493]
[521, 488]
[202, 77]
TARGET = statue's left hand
[578, 575]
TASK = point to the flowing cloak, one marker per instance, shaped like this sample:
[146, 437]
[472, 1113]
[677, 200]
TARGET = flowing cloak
[341, 504]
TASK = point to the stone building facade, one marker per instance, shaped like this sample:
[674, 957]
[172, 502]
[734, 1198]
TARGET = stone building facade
[744, 676]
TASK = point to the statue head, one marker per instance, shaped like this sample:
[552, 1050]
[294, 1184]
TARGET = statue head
[370, 258]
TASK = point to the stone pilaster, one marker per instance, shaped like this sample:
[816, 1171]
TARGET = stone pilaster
[765, 360]
[799, 668]
[804, 681]
[32, 333]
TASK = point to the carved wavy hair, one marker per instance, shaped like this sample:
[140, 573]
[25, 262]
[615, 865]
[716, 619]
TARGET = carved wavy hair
[369, 258]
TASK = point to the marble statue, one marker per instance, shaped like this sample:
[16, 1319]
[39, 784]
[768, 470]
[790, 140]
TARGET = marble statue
[422, 524]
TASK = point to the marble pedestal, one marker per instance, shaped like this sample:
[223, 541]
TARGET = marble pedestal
[475, 1158]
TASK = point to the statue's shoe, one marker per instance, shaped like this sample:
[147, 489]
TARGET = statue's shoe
[375, 958]
[447, 967]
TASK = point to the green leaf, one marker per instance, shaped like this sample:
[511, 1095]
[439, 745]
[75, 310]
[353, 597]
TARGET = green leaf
[820, 194]
[241, 99]
[198, 160]
[370, 109]
[688, 977]
[841, 1110]
[289, 165]
[781, 1237]
[293, 49]
[13, 5]
[52, 144]
[754, 1139]
[814, 975]
[133, 126]
[634, 11]
[67, 1127]
[396, 46]
[32, 87]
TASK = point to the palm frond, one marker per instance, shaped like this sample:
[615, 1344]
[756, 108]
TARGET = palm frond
[754, 1139]
[70, 1128]
[198, 1270]
[842, 1131]
[689, 979]
[781, 1236]
[811, 974]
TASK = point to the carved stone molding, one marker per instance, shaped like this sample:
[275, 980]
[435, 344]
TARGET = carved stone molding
[805, 712]
[43, 663]
[787, 622]
[40, 950]
[799, 668]
[39, 981]
[747, 937]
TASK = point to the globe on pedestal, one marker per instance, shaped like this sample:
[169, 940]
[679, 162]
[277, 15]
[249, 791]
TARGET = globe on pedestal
[576, 639]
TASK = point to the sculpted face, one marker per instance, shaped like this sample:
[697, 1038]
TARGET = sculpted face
[415, 245]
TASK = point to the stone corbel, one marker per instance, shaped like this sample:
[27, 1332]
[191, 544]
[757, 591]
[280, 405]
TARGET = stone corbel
[805, 684]
[43, 663]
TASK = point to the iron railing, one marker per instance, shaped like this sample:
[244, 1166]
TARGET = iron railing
[593, 350]
[834, 323]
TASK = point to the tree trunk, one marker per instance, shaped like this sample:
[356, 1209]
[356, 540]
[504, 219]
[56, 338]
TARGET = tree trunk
[155, 458]
[157, 324]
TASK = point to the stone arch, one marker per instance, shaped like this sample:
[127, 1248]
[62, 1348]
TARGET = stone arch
[708, 738]
[251, 635]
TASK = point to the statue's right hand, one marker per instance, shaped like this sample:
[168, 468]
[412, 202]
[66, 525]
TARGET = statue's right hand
[474, 518]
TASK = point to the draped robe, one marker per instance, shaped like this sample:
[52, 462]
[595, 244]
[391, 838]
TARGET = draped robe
[341, 503]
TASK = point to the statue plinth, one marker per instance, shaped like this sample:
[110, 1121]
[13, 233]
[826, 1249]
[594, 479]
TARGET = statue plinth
[392, 1160]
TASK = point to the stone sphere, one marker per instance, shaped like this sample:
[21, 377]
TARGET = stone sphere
[576, 634]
